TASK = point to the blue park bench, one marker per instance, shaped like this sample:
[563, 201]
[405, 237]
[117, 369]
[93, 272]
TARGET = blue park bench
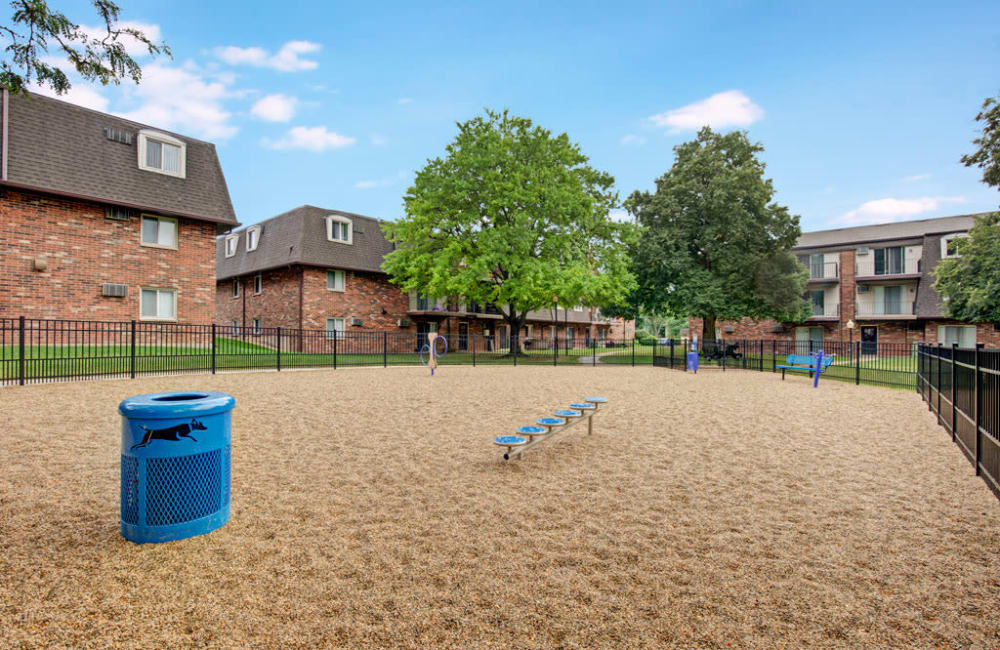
[804, 363]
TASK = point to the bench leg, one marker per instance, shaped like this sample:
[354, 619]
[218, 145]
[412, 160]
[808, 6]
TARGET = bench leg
[590, 425]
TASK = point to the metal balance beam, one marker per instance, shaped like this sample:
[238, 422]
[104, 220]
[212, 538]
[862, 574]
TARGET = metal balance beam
[549, 427]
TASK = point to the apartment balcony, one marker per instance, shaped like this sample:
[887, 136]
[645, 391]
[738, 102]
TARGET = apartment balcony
[822, 313]
[891, 268]
[825, 273]
[884, 309]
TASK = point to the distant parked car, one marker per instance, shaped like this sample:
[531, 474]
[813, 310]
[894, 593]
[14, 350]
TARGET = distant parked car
[663, 341]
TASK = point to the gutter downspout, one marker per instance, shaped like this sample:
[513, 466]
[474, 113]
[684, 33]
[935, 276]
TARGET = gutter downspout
[3, 135]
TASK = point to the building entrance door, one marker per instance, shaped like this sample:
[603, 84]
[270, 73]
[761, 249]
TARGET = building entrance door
[869, 339]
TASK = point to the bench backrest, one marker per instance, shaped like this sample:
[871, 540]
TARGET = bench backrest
[807, 360]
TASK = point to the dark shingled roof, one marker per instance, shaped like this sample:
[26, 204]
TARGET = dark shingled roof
[57, 147]
[895, 232]
[299, 237]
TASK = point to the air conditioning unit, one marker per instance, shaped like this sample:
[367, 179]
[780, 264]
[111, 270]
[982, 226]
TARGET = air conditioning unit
[863, 288]
[862, 251]
[728, 329]
[404, 322]
[356, 322]
[110, 290]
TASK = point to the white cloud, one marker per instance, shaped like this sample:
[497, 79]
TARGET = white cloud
[182, 98]
[79, 93]
[915, 178]
[133, 47]
[287, 59]
[404, 100]
[274, 108]
[729, 108]
[314, 138]
[379, 140]
[886, 210]
[636, 140]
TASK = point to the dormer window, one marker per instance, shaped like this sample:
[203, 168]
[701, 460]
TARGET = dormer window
[253, 237]
[161, 153]
[339, 229]
[231, 242]
[948, 244]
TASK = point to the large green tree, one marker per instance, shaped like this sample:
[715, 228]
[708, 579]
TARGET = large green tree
[970, 282]
[512, 215]
[715, 245]
[34, 27]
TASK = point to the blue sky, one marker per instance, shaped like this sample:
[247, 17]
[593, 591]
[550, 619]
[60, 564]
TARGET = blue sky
[864, 108]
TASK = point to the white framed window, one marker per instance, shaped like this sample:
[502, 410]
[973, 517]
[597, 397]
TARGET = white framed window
[578, 308]
[236, 288]
[948, 244]
[963, 335]
[570, 333]
[236, 327]
[339, 229]
[256, 326]
[258, 284]
[157, 304]
[161, 153]
[335, 280]
[335, 328]
[159, 232]
[231, 242]
[253, 238]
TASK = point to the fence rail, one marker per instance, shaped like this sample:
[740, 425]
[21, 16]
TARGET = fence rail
[961, 386]
[36, 351]
[876, 364]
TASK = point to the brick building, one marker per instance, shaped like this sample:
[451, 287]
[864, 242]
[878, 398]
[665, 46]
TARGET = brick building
[313, 268]
[878, 279]
[102, 218]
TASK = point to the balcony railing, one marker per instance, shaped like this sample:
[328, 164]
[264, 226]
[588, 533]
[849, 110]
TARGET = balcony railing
[824, 311]
[885, 308]
[824, 271]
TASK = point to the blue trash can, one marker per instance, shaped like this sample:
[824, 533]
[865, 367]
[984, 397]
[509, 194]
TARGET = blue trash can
[176, 450]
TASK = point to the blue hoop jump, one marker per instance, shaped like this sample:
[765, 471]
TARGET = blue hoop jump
[433, 354]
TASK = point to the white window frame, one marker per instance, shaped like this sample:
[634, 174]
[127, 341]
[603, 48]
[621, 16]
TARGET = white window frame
[236, 288]
[236, 327]
[258, 284]
[336, 218]
[943, 334]
[256, 325]
[230, 245]
[578, 308]
[947, 239]
[158, 290]
[254, 234]
[343, 280]
[336, 332]
[158, 218]
[145, 135]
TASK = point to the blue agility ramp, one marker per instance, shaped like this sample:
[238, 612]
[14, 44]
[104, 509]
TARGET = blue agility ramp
[175, 465]
[550, 426]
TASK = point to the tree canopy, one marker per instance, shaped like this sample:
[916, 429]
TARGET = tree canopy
[970, 282]
[511, 215]
[714, 243]
[34, 27]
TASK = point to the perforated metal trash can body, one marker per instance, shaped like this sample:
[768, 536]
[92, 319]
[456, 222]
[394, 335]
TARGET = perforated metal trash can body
[175, 471]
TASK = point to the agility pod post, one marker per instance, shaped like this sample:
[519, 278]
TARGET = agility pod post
[175, 464]
[431, 349]
[547, 428]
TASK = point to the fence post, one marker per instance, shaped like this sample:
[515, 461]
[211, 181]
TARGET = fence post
[385, 349]
[336, 336]
[593, 344]
[20, 351]
[774, 355]
[954, 402]
[512, 344]
[723, 346]
[131, 363]
[279, 349]
[978, 415]
[939, 385]
[671, 354]
[633, 351]
[213, 348]
[474, 350]
[857, 364]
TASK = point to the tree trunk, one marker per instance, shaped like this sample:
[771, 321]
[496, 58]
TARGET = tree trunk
[708, 328]
[515, 323]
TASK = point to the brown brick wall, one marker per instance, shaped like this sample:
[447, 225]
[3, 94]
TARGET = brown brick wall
[83, 250]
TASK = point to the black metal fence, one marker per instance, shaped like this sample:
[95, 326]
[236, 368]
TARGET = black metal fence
[876, 364]
[35, 350]
[962, 387]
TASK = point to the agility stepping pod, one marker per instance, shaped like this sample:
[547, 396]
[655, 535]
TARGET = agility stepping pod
[548, 427]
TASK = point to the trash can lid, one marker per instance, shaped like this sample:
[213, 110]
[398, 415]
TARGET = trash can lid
[161, 406]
